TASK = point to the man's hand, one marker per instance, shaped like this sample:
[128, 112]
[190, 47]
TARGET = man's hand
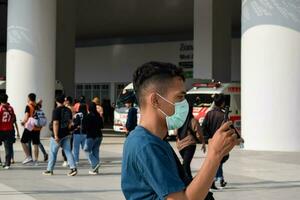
[223, 141]
[56, 139]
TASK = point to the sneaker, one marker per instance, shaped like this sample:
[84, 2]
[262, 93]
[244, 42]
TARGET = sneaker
[35, 163]
[27, 160]
[73, 172]
[6, 167]
[48, 173]
[213, 186]
[95, 169]
[93, 172]
[65, 164]
[46, 157]
[223, 183]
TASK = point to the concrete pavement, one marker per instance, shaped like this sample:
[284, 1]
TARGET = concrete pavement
[250, 175]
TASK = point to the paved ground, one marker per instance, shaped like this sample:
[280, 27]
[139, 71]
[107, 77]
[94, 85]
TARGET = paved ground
[250, 175]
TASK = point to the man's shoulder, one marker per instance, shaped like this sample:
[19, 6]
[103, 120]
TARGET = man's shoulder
[140, 139]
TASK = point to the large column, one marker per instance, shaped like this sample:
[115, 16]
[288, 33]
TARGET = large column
[31, 53]
[270, 74]
[65, 45]
[212, 39]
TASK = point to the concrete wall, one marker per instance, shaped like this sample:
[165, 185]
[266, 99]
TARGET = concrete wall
[116, 63]
[2, 63]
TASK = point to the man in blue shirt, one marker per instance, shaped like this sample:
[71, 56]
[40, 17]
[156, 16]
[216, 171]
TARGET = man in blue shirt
[149, 168]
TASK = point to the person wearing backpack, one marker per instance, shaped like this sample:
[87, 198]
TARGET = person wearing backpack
[186, 140]
[39, 119]
[79, 134]
[61, 136]
[7, 135]
[93, 124]
[213, 120]
[69, 104]
[30, 135]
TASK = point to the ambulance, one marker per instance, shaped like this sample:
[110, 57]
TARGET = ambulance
[201, 97]
[121, 111]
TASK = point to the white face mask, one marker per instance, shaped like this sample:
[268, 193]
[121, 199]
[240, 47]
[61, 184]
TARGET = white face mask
[176, 120]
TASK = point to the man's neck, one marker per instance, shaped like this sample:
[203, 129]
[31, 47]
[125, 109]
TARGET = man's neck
[60, 105]
[153, 125]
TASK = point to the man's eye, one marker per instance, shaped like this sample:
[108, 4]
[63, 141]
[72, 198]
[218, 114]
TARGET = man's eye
[181, 97]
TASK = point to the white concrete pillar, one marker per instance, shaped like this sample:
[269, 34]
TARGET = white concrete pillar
[270, 74]
[212, 39]
[31, 39]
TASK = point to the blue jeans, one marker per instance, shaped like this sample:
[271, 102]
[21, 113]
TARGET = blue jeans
[219, 174]
[78, 139]
[91, 149]
[66, 146]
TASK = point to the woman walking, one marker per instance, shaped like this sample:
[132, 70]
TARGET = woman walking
[93, 124]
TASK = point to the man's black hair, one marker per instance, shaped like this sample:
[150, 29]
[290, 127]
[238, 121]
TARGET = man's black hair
[69, 99]
[219, 99]
[82, 99]
[159, 73]
[32, 97]
[60, 98]
[3, 98]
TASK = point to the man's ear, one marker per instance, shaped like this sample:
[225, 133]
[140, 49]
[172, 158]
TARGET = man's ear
[153, 100]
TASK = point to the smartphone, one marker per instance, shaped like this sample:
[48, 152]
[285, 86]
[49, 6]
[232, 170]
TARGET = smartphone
[226, 118]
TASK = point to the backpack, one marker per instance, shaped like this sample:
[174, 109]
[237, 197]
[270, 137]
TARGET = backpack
[78, 119]
[66, 116]
[40, 118]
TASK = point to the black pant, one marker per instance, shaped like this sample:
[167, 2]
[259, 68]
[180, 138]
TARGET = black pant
[8, 138]
[187, 155]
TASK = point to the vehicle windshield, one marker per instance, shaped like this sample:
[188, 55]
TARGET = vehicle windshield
[204, 100]
[199, 100]
[122, 98]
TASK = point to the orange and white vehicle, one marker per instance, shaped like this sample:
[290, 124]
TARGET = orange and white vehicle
[120, 113]
[201, 97]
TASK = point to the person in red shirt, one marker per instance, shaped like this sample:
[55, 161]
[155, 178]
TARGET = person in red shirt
[7, 136]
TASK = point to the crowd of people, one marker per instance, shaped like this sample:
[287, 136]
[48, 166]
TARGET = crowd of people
[73, 127]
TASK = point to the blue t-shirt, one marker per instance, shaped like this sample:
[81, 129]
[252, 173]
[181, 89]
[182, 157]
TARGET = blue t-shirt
[149, 169]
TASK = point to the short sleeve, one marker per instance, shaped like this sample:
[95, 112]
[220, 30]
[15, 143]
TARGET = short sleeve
[27, 109]
[158, 167]
[56, 115]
